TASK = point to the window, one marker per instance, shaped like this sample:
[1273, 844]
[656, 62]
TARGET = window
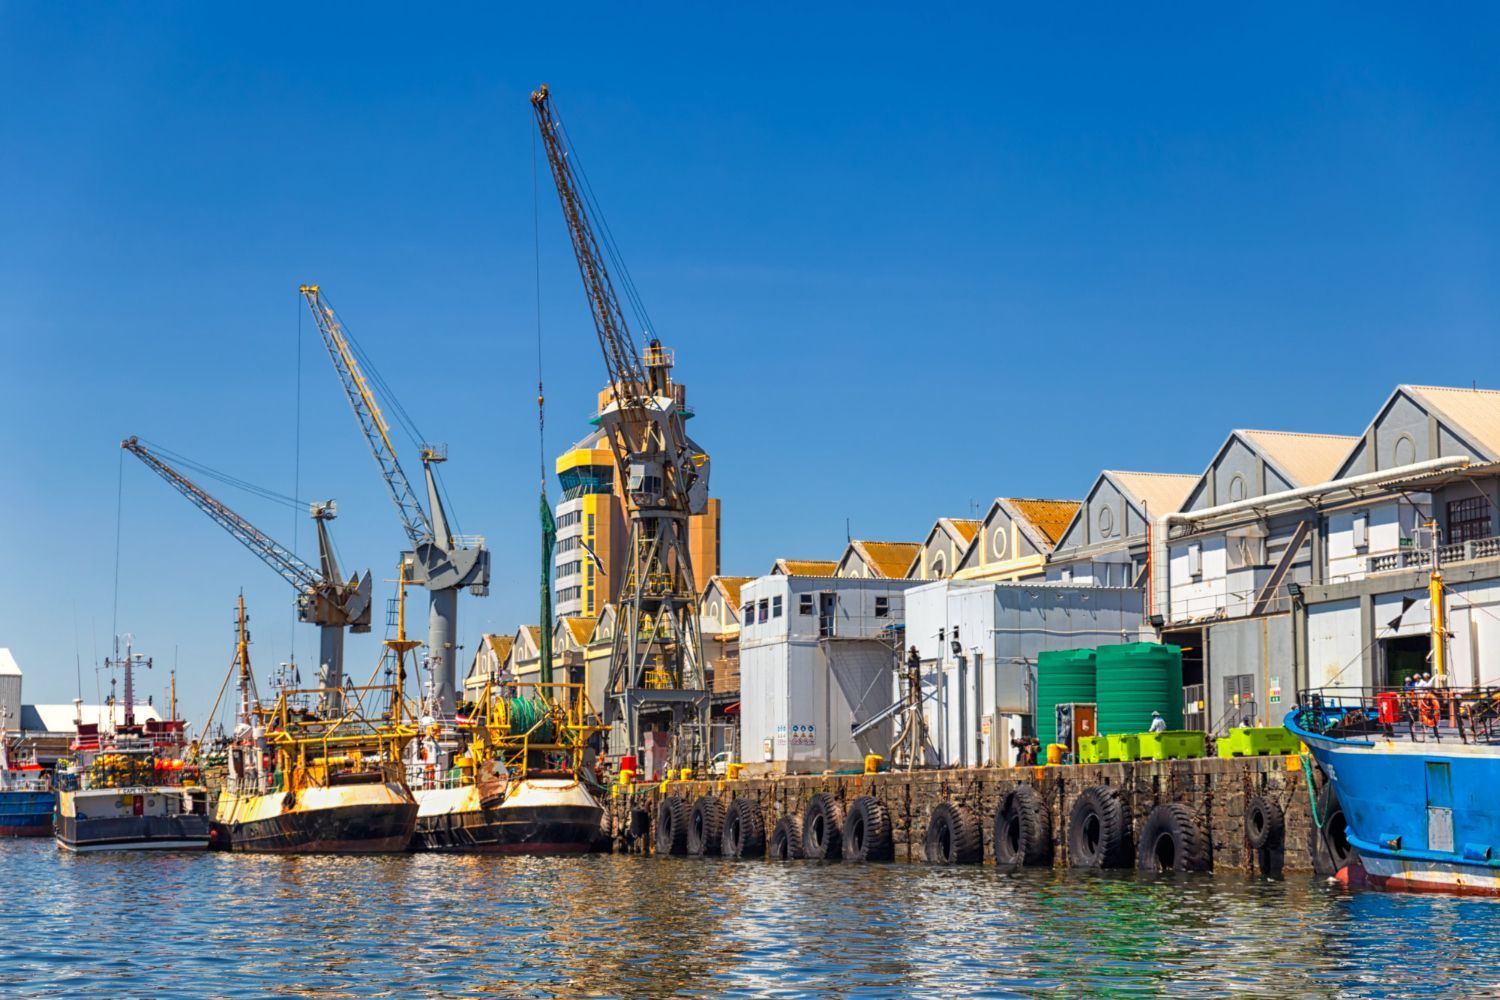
[747, 613]
[590, 529]
[1468, 519]
[591, 574]
[776, 606]
[805, 604]
[764, 607]
[1362, 530]
[882, 607]
[938, 567]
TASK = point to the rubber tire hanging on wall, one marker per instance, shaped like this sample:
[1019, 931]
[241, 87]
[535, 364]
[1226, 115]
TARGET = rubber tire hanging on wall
[1099, 830]
[954, 836]
[867, 831]
[671, 825]
[1172, 841]
[823, 829]
[744, 833]
[705, 826]
[786, 839]
[1265, 823]
[1023, 828]
[1330, 847]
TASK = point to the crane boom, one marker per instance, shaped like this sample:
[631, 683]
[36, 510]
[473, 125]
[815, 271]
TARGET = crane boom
[294, 570]
[414, 518]
[620, 356]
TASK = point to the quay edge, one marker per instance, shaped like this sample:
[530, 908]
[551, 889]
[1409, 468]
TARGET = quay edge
[1215, 790]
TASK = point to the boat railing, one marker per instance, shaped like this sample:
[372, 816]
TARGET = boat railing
[1426, 714]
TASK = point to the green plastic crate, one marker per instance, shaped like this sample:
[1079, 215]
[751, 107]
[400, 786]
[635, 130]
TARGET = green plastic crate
[1172, 744]
[1259, 741]
[1126, 746]
[1092, 749]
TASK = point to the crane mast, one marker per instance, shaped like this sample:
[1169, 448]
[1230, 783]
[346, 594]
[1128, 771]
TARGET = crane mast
[656, 665]
[323, 598]
[440, 561]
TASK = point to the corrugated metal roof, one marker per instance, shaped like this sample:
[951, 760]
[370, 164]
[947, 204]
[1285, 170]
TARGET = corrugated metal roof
[579, 627]
[1474, 411]
[60, 718]
[731, 586]
[889, 559]
[1050, 517]
[8, 665]
[499, 645]
[1161, 492]
[1308, 459]
[807, 567]
[965, 528]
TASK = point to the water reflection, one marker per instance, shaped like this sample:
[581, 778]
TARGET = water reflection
[184, 926]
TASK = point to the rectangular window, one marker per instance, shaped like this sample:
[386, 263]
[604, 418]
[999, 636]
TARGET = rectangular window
[805, 604]
[882, 607]
[1361, 530]
[747, 613]
[591, 574]
[765, 606]
[1468, 519]
[776, 606]
[590, 529]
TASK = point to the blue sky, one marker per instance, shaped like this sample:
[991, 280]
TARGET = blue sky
[908, 262]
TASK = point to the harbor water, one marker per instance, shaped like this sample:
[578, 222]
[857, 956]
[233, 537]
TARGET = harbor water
[169, 925]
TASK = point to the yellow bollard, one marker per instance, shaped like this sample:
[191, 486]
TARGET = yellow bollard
[872, 763]
[732, 771]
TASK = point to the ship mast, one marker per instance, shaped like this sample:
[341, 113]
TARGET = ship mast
[1438, 615]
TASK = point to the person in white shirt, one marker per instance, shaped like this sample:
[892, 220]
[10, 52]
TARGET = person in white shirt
[1158, 724]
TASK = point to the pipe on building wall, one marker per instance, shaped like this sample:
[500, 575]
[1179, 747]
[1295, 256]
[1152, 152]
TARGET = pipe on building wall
[1306, 492]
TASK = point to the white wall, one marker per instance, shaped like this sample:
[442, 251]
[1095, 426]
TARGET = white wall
[1334, 645]
[1388, 524]
[1190, 597]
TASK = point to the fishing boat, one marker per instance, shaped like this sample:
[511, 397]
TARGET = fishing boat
[1410, 777]
[26, 797]
[320, 772]
[127, 787]
[521, 784]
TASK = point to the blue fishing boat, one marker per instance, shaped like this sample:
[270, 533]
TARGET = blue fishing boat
[26, 797]
[1410, 778]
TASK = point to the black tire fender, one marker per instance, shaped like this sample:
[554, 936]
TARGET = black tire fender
[1099, 830]
[671, 825]
[705, 826]
[823, 829]
[744, 830]
[786, 839]
[1023, 828]
[1265, 823]
[867, 831]
[1329, 846]
[1172, 841]
[954, 836]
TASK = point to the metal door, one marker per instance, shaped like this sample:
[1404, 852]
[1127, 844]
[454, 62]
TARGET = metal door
[1439, 807]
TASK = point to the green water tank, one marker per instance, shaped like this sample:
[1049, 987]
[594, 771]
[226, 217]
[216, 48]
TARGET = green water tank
[1135, 679]
[1062, 676]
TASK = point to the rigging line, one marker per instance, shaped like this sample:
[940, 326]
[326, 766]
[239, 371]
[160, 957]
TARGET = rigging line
[223, 477]
[114, 618]
[297, 461]
[536, 254]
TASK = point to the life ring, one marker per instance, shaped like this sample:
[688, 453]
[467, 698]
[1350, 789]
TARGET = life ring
[1430, 709]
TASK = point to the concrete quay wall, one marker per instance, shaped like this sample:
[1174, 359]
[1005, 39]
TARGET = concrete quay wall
[1215, 791]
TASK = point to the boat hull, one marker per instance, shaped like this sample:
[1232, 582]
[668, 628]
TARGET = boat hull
[26, 813]
[541, 817]
[350, 819]
[137, 819]
[1422, 816]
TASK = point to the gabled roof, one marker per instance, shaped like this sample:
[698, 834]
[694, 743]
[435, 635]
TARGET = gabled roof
[889, 559]
[1473, 411]
[8, 665]
[1159, 492]
[61, 718]
[579, 628]
[730, 585]
[606, 618]
[499, 645]
[1049, 517]
[1302, 459]
[805, 567]
[960, 530]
